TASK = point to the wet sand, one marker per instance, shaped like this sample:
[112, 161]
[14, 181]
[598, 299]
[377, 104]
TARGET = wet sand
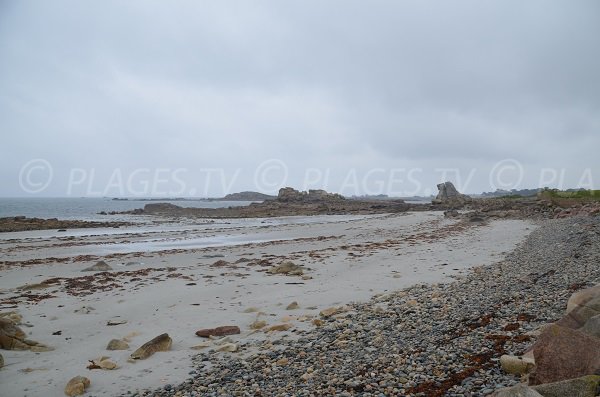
[178, 278]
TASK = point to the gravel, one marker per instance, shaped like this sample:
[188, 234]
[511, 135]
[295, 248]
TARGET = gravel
[426, 340]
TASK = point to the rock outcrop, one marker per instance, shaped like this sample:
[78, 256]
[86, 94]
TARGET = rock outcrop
[288, 194]
[448, 195]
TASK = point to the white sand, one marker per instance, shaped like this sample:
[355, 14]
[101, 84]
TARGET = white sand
[361, 257]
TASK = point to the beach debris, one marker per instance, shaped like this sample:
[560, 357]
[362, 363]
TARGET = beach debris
[161, 343]
[117, 344]
[1, 361]
[84, 310]
[228, 347]
[100, 266]
[219, 331]
[516, 365]
[292, 306]
[133, 264]
[288, 268]
[111, 323]
[102, 363]
[76, 386]
[251, 310]
[202, 345]
[317, 322]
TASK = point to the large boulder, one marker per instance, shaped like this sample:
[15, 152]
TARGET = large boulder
[517, 391]
[447, 194]
[563, 353]
[592, 326]
[585, 386]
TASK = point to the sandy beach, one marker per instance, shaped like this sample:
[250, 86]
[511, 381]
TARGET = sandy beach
[179, 278]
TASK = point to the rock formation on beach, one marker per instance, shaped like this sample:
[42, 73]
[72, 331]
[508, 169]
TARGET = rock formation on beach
[247, 196]
[289, 202]
[447, 194]
[288, 194]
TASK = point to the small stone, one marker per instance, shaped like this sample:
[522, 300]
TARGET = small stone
[292, 306]
[228, 347]
[100, 266]
[77, 386]
[1, 361]
[332, 311]
[279, 327]
[105, 363]
[282, 361]
[258, 324]
[516, 365]
[117, 344]
[219, 331]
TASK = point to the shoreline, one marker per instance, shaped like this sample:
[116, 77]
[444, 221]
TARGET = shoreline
[344, 260]
[432, 340]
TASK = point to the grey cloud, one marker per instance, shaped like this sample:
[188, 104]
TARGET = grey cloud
[338, 84]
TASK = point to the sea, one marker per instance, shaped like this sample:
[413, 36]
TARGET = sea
[88, 208]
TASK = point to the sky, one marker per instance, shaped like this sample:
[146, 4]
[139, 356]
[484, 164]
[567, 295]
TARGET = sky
[197, 98]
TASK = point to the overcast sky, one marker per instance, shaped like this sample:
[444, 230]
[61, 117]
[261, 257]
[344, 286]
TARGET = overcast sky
[205, 98]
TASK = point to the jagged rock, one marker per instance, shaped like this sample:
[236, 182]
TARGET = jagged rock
[516, 365]
[77, 386]
[161, 343]
[100, 266]
[258, 324]
[13, 338]
[447, 194]
[219, 331]
[517, 391]
[585, 386]
[288, 268]
[290, 195]
[155, 208]
[580, 297]
[279, 327]
[117, 344]
[563, 353]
